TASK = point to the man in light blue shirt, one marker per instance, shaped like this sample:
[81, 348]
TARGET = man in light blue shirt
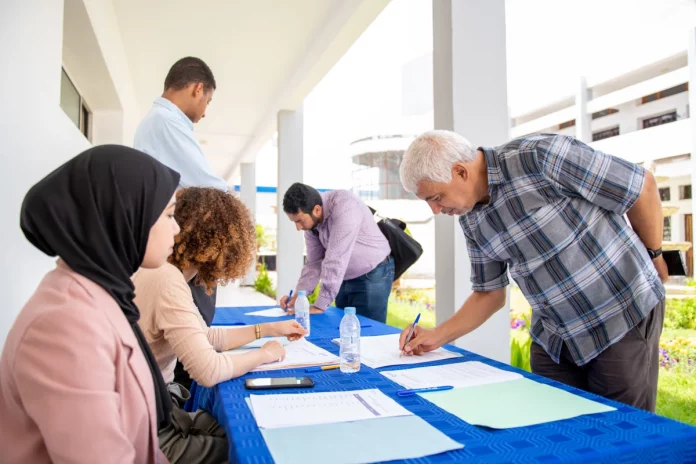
[166, 133]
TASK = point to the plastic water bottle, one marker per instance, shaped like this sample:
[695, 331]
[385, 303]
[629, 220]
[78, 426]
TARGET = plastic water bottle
[350, 342]
[302, 310]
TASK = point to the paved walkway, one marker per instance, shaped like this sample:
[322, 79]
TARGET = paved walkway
[233, 295]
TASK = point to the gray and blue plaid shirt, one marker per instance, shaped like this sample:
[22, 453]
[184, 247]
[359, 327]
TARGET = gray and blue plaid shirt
[555, 217]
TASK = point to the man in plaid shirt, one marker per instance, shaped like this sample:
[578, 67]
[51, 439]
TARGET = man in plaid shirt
[551, 209]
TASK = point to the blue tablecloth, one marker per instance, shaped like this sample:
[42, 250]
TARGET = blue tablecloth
[626, 435]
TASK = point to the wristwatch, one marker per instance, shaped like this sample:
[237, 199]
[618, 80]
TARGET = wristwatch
[654, 253]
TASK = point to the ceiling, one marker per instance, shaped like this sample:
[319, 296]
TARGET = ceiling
[266, 55]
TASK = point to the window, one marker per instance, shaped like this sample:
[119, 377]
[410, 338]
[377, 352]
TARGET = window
[566, 124]
[605, 134]
[74, 105]
[665, 194]
[685, 192]
[659, 120]
[667, 229]
[665, 93]
[601, 114]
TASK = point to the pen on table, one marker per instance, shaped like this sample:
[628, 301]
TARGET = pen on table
[288, 301]
[410, 334]
[407, 393]
[322, 368]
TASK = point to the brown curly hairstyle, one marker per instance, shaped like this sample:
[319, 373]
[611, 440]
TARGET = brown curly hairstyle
[218, 236]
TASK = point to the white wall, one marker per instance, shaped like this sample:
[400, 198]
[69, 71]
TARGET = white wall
[37, 136]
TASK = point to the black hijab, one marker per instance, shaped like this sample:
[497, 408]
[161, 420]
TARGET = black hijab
[95, 212]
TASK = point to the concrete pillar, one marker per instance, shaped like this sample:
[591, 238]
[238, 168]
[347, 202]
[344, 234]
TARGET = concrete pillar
[583, 119]
[470, 98]
[247, 193]
[692, 112]
[290, 166]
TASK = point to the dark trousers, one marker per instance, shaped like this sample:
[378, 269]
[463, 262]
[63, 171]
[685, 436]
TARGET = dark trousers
[626, 371]
[206, 306]
[369, 293]
[192, 438]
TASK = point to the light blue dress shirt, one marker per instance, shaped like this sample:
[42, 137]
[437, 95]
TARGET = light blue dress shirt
[166, 134]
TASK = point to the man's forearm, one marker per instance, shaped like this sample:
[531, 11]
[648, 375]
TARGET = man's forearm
[474, 312]
[645, 215]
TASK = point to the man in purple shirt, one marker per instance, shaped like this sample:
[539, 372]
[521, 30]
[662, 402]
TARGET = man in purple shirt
[346, 251]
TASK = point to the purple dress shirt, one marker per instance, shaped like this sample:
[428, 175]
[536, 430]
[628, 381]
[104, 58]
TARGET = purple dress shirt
[348, 245]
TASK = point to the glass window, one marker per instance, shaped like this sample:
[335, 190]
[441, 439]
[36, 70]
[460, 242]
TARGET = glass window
[667, 229]
[665, 194]
[659, 120]
[70, 99]
[685, 192]
[605, 134]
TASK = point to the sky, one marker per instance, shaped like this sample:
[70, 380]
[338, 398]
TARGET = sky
[550, 44]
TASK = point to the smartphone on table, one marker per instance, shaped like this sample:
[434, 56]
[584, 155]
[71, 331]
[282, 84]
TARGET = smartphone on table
[268, 383]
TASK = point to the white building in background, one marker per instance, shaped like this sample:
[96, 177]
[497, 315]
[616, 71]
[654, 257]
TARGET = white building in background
[642, 116]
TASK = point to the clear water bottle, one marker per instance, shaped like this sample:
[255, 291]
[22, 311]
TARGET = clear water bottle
[350, 341]
[302, 310]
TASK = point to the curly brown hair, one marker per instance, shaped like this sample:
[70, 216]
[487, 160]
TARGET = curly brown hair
[218, 236]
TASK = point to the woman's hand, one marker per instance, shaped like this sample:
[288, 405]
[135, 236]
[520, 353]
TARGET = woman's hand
[290, 329]
[272, 352]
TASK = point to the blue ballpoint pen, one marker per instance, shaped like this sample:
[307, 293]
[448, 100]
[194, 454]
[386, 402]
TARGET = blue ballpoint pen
[287, 302]
[407, 393]
[410, 333]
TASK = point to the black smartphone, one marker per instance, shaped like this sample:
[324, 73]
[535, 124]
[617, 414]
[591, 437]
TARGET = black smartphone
[268, 383]
[675, 262]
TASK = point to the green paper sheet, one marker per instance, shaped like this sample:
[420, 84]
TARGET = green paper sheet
[515, 403]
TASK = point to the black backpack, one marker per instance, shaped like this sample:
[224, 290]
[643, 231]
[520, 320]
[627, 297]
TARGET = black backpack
[404, 249]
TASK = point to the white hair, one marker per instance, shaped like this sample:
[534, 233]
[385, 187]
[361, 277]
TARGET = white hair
[431, 156]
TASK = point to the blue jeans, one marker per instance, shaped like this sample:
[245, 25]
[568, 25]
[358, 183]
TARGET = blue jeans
[369, 293]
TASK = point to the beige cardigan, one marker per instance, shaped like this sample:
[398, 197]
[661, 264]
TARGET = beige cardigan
[175, 329]
[74, 384]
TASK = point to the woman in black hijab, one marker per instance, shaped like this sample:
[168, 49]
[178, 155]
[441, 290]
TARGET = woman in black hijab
[78, 382]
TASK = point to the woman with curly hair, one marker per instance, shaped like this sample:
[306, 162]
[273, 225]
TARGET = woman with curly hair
[216, 244]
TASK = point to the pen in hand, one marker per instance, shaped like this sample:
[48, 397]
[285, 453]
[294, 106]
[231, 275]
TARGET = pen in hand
[288, 301]
[410, 334]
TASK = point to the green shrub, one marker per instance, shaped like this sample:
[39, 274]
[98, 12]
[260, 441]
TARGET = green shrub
[263, 283]
[261, 237]
[520, 344]
[313, 297]
[680, 313]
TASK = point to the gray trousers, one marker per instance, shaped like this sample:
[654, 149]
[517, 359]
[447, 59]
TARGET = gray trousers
[192, 438]
[626, 371]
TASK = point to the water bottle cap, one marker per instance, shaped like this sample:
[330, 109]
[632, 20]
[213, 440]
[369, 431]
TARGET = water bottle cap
[350, 310]
[302, 293]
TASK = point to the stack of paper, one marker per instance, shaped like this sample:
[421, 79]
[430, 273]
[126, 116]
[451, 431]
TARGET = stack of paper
[516, 403]
[383, 350]
[273, 411]
[300, 353]
[466, 374]
[344, 428]
[273, 312]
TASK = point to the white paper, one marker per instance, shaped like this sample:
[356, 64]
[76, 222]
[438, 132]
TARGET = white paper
[274, 411]
[273, 312]
[383, 350]
[301, 353]
[466, 374]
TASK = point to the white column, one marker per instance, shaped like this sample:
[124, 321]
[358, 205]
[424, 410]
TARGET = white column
[247, 193]
[692, 113]
[290, 166]
[583, 120]
[470, 97]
